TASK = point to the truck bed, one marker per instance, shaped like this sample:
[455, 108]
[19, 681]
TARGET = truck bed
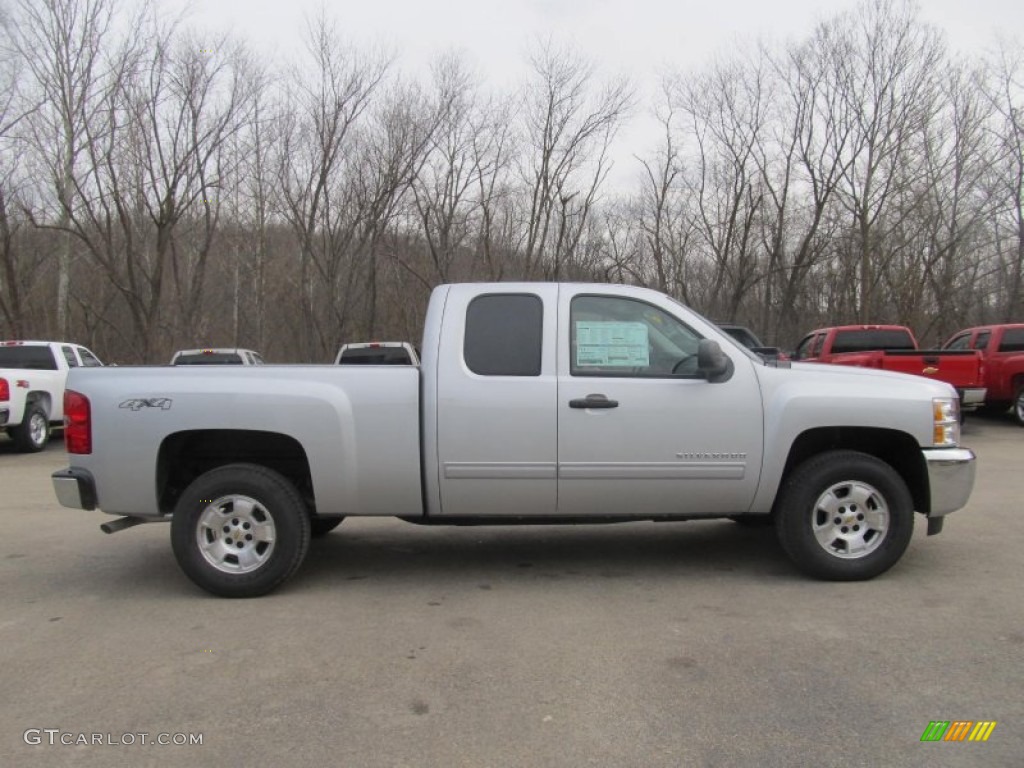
[358, 427]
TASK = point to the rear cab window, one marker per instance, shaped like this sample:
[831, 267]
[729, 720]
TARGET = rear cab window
[504, 335]
[209, 358]
[871, 339]
[375, 355]
[29, 357]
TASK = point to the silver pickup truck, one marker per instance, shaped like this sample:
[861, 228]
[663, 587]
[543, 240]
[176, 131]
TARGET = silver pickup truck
[534, 403]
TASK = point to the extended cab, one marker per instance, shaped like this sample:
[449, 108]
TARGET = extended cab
[894, 348]
[32, 376]
[1002, 347]
[534, 403]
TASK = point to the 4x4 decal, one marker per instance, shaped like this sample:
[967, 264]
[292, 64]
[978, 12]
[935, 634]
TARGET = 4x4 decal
[135, 404]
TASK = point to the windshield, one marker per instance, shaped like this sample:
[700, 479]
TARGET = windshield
[752, 355]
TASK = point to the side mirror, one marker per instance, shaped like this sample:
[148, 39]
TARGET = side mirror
[712, 363]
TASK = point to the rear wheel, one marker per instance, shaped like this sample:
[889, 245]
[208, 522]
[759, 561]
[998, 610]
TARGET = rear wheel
[240, 530]
[32, 435]
[1018, 405]
[844, 516]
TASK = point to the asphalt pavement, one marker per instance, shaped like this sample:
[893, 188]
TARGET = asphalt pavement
[644, 644]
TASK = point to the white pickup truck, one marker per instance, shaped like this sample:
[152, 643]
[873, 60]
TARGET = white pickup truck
[32, 376]
[534, 403]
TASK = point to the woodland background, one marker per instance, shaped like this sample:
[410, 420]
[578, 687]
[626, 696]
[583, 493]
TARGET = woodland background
[162, 189]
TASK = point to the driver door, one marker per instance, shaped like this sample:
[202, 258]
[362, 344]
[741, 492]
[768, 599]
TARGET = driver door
[640, 432]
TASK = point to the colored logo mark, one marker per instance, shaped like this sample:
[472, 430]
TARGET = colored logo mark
[958, 730]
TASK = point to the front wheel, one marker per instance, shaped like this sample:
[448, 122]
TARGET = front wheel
[240, 530]
[32, 435]
[844, 516]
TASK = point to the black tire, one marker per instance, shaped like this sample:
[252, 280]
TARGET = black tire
[32, 435]
[321, 526]
[994, 409]
[243, 507]
[1018, 405]
[844, 516]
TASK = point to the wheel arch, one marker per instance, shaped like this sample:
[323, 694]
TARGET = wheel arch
[897, 449]
[42, 398]
[184, 456]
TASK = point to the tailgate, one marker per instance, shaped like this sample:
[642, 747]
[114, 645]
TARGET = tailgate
[961, 368]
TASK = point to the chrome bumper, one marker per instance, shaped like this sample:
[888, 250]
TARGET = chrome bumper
[950, 478]
[74, 488]
[972, 398]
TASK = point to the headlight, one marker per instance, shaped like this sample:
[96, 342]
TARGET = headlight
[945, 421]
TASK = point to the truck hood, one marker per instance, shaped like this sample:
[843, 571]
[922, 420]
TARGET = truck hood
[900, 384]
[811, 395]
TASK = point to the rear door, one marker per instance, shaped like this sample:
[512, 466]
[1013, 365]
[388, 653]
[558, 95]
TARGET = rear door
[496, 415]
[639, 433]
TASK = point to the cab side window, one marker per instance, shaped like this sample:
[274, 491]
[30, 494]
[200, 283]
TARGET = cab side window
[504, 333]
[69, 355]
[981, 340]
[1013, 340]
[614, 336]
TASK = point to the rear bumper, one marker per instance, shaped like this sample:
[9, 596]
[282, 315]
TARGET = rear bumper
[971, 397]
[950, 478]
[75, 488]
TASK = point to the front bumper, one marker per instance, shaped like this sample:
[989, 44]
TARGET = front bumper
[75, 488]
[950, 478]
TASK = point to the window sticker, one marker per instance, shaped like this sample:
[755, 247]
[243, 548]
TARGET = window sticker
[611, 344]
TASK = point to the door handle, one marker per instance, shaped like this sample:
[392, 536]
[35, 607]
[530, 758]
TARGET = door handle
[593, 401]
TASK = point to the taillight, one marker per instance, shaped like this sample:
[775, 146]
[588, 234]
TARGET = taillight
[77, 422]
[5, 390]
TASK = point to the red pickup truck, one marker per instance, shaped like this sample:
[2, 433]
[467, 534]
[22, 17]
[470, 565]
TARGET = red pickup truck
[894, 348]
[1002, 347]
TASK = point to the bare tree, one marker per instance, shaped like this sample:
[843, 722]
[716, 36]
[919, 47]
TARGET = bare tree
[809, 156]
[1006, 94]
[727, 108]
[15, 275]
[328, 94]
[61, 43]
[663, 209]
[568, 130]
[891, 77]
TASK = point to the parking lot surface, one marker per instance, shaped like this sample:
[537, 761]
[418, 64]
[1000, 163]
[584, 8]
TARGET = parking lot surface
[683, 644]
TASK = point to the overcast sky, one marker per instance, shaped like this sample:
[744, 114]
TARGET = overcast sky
[639, 38]
[634, 35]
